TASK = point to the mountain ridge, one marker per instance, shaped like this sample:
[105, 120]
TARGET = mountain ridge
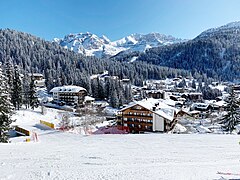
[91, 45]
[215, 52]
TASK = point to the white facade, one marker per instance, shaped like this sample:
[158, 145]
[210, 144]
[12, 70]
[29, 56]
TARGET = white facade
[158, 123]
[69, 94]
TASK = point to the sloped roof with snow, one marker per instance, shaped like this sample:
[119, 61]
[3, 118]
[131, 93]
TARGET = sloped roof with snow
[68, 89]
[162, 108]
[88, 98]
[166, 113]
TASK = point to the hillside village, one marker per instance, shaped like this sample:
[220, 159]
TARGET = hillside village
[174, 105]
[120, 90]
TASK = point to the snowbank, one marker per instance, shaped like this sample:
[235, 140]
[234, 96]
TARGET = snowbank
[202, 129]
[179, 129]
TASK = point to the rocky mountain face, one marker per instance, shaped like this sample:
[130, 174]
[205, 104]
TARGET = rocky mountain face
[215, 52]
[91, 45]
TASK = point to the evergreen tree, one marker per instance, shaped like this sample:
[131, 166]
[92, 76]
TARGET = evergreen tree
[9, 73]
[95, 88]
[194, 84]
[114, 101]
[209, 93]
[200, 86]
[182, 84]
[17, 89]
[101, 94]
[25, 92]
[32, 94]
[6, 109]
[232, 118]
[128, 94]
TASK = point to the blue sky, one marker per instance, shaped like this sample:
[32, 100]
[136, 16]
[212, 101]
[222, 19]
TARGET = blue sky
[117, 18]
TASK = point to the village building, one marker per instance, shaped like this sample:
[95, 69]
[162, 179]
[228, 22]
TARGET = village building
[89, 100]
[71, 95]
[156, 94]
[38, 78]
[200, 107]
[194, 97]
[148, 115]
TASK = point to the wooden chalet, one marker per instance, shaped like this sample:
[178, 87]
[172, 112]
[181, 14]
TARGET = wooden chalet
[149, 115]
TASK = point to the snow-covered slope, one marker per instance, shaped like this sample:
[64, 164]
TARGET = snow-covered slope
[91, 45]
[66, 155]
[61, 155]
[233, 27]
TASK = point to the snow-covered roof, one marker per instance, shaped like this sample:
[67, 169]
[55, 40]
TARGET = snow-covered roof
[194, 93]
[220, 103]
[162, 108]
[194, 112]
[68, 89]
[35, 74]
[202, 105]
[166, 113]
[88, 98]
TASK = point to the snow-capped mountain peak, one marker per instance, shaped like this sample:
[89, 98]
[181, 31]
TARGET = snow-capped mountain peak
[91, 45]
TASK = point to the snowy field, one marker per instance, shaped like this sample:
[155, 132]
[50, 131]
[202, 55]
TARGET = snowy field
[61, 155]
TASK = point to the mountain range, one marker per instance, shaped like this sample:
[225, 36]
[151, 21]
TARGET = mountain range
[91, 45]
[214, 53]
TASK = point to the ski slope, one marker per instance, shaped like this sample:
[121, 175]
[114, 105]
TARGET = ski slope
[62, 155]
[69, 155]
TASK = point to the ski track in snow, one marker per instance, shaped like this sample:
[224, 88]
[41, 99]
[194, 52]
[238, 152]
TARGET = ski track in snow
[61, 155]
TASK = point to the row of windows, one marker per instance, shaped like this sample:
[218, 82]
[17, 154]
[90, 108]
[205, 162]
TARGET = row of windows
[138, 120]
[138, 126]
[139, 114]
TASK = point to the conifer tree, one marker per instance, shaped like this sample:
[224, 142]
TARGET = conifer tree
[114, 101]
[26, 87]
[17, 89]
[101, 94]
[9, 73]
[128, 94]
[32, 94]
[232, 118]
[194, 84]
[6, 108]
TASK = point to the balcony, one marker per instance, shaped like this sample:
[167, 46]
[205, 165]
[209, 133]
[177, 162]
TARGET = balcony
[138, 116]
[138, 123]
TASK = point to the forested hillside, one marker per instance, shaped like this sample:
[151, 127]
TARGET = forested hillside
[215, 52]
[64, 67]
